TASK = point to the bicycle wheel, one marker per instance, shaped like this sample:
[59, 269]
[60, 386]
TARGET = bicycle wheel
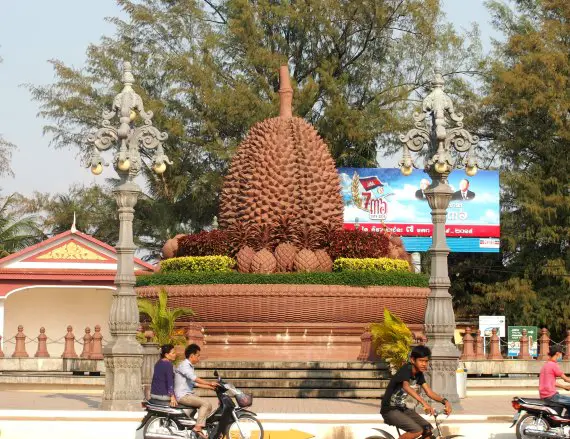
[246, 427]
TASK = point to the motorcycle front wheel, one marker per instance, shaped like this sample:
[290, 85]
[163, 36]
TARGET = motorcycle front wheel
[246, 427]
[527, 420]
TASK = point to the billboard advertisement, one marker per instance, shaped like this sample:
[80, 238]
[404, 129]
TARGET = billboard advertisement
[515, 334]
[379, 198]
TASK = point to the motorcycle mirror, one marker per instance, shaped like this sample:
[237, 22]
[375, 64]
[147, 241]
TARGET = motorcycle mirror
[216, 374]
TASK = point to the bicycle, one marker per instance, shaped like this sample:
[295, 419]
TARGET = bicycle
[436, 433]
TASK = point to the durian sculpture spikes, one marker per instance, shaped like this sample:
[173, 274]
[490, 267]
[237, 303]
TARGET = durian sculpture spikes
[282, 168]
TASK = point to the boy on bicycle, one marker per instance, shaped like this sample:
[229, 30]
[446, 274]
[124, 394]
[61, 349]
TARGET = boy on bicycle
[394, 410]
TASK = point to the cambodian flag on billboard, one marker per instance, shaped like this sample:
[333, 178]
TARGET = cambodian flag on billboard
[378, 198]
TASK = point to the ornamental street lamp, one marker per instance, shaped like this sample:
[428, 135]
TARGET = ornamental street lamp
[441, 129]
[123, 353]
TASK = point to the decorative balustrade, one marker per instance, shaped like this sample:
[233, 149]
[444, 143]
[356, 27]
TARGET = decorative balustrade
[474, 346]
[92, 345]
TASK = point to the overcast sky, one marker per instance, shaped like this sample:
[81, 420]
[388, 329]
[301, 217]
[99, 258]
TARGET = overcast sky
[33, 31]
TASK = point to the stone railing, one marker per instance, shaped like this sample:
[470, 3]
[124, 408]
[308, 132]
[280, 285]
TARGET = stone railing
[91, 345]
[473, 346]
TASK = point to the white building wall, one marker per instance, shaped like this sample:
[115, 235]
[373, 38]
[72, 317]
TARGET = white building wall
[54, 308]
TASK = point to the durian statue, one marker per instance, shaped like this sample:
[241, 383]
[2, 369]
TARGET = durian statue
[282, 177]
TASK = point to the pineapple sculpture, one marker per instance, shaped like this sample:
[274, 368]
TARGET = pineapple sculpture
[285, 251]
[241, 241]
[283, 169]
[306, 260]
[264, 261]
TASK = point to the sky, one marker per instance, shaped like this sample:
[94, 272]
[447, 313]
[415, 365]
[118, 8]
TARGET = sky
[34, 31]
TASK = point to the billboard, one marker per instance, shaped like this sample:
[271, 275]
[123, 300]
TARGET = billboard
[379, 198]
[515, 334]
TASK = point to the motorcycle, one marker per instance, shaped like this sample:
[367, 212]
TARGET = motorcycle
[541, 419]
[436, 434]
[228, 421]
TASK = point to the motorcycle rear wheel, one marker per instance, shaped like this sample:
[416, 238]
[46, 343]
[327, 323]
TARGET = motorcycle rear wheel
[158, 425]
[526, 420]
[250, 426]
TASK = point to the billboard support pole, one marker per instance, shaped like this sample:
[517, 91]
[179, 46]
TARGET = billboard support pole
[441, 129]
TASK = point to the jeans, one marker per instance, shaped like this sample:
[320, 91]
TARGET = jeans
[561, 399]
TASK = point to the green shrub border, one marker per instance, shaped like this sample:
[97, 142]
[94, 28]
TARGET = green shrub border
[350, 278]
[370, 264]
[195, 264]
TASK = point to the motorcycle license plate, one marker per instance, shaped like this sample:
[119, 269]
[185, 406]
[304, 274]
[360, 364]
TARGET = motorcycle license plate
[516, 418]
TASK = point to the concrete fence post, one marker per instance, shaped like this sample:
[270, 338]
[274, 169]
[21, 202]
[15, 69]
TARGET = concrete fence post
[151, 355]
[365, 346]
[479, 351]
[96, 352]
[42, 351]
[468, 349]
[20, 350]
[87, 342]
[524, 353]
[69, 347]
[543, 344]
[494, 346]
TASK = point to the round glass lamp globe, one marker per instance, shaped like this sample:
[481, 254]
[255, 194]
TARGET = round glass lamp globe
[160, 168]
[441, 167]
[471, 170]
[406, 170]
[97, 169]
[124, 165]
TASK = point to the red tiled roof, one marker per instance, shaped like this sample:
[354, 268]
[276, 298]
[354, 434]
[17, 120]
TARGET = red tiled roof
[63, 235]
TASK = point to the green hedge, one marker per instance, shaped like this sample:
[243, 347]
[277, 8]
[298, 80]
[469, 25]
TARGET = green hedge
[196, 264]
[370, 264]
[352, 278]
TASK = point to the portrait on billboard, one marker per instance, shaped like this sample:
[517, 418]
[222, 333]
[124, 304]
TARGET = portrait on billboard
[420, 193]
[463, 193]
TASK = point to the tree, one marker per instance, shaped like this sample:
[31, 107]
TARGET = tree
[18, 230]
[162, 318]
[527, 113]
[208, 69]
[6, 149]
[94, 210]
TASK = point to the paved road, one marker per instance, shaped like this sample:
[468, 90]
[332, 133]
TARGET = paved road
[489, 404]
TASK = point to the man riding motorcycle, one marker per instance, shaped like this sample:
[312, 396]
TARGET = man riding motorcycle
[547, 382]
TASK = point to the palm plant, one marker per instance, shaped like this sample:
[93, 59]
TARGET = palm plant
[18, 230]
[162, 318]
[394, 339]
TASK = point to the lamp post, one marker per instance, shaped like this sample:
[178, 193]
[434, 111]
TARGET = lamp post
[123, 353]
[440, 128]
